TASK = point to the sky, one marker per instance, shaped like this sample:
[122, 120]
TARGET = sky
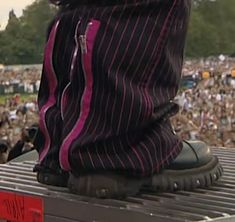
[7, 5]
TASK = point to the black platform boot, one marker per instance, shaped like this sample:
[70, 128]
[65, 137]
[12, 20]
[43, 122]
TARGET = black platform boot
[194, 167]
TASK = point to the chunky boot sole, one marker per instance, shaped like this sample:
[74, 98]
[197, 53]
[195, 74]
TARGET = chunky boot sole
[105, 185]
[188, 179]
[116, 186]
[58, 180]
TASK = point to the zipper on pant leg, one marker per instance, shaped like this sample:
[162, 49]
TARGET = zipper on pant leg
[83, 45]
[86, 41]
[64, 96]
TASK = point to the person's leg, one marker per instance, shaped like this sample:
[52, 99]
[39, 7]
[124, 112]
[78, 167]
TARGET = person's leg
[116, 106]
[57, 69]
[132, 65]
[130, 70]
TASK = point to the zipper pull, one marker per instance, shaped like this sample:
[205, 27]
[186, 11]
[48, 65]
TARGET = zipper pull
[82, 39]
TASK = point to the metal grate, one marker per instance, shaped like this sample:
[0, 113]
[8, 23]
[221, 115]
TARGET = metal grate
[214, 204]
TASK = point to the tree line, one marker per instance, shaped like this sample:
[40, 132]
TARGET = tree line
[211, 31]
[23, 39]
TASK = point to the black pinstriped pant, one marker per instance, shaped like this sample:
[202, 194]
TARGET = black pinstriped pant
[110, 74]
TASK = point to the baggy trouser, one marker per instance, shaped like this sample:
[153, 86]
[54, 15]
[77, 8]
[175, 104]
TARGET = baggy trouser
[110, 75]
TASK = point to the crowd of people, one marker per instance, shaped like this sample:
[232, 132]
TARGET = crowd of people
[22, 79]
[16, 118]
[207, 108]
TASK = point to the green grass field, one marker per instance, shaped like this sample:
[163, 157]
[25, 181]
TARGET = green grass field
[23, 97]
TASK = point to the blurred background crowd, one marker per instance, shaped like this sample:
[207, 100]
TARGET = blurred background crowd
[207, 101]
[18, 109]
[20, 79]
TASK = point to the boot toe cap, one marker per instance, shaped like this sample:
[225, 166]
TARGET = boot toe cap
[193, 154]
